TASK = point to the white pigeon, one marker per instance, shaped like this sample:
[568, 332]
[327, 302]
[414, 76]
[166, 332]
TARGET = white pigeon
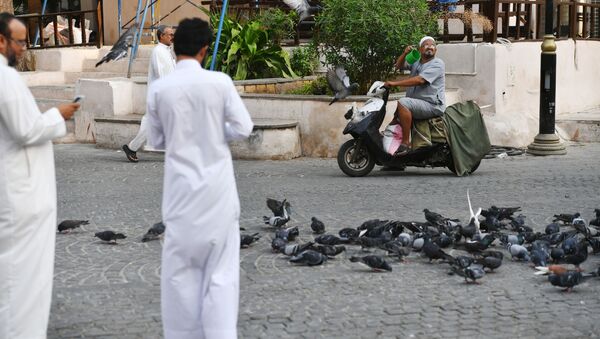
[303, 8]
[474, 216]
[339, 82]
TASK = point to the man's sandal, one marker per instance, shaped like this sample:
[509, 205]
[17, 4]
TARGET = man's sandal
[131, 155]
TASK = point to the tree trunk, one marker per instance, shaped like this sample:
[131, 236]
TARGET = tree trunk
[6, 6]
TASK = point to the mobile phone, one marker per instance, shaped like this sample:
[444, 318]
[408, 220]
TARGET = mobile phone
[78, 98]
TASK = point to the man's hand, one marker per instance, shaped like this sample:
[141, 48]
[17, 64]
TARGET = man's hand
[408, 49]
[67, 110]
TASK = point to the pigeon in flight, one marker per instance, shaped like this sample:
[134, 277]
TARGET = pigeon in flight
[154, 232]
[120, 48]
[69, 225]
[303, 8]
[281, 212]
[110, 236]
[339, 83]
[375, 262]
[474, 219]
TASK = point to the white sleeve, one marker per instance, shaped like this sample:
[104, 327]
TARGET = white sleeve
[24, 121]
[156, 136]
[238, 124]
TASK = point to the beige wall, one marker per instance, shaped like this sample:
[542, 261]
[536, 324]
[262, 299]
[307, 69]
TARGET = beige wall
[111, 26]
[505, 80]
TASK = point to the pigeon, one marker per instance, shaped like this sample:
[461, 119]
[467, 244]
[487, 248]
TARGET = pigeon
[309, 257]
[329, 250]
[317, 225]
[288, 234]
[474, 218]
[515, 239]
[328, 239]
[568, 280]
[580, 255]
[339, 83]
[566, 218]
[281, 213]
[580, 226]
[303, 8]
[69, 225]
[436, 218]
[248, 239]
[405, 239]
[500, 212]
[154, 232]
[539, 257]
[278, 245]
[517, 252]
[490, 262]
[557, 254]
[349, 233]
[473, 272]
[553, 228]
[481, 245]
[375, 262]
[396, 248]
[463, 261]
[433, 251]
[110, 236]
[279, 208]
[120, 48]
[418, 243]
[294, 249]
[596, 222]
[368, 242]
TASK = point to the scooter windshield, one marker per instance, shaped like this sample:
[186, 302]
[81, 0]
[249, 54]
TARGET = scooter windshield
[372, 105]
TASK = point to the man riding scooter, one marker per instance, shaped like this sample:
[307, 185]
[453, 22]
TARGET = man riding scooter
[425, 96]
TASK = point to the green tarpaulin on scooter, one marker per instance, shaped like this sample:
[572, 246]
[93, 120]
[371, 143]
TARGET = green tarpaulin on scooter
[466, 135]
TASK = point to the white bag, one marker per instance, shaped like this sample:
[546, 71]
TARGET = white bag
[392, 138]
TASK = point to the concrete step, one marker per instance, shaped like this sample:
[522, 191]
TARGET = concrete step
[270, 139]
[73, 77]
[60, 92]
[581, 126]
[140, 65]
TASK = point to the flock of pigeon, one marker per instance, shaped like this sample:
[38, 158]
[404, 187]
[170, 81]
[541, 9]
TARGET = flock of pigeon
[557, 252]
[109, 236]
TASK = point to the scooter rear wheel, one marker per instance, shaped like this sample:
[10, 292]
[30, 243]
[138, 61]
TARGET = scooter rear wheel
[363, 163]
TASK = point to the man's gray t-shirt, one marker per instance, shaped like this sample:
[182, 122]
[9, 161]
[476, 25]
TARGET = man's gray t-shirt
[434, 90]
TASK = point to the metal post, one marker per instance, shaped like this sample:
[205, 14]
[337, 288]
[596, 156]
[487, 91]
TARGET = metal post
[135, 39]
[120, 14]
[547, 142]
[214, 57]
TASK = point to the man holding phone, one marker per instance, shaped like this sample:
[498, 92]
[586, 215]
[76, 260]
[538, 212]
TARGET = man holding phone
[27, 193]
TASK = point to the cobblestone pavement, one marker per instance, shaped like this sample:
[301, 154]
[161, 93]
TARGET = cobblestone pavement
[112, 291]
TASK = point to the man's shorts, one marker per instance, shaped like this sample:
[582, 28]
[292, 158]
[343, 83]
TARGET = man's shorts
[421, 109]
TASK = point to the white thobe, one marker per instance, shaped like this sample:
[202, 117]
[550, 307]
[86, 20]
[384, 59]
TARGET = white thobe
[27, 208]
[192, 114]
[161, 64]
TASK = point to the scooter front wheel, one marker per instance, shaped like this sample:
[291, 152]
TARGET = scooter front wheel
[355, 162]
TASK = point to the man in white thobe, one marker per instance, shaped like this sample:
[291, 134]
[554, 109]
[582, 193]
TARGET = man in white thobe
[27, 194]
[192, 114]
[161, 64]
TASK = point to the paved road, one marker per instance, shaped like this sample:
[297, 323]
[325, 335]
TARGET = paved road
[107, 291]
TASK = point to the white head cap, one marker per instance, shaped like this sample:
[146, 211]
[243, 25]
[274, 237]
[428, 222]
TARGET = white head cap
[425, 39]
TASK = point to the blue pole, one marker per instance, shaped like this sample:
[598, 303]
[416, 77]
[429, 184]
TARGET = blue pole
[37, 34]
[214, 57]
[139, 37]
[120, 5]
[135, 38]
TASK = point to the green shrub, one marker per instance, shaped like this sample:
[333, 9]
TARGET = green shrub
[366, 37]
[278, 23]
[318, 86]
[247, 52]
[304, 60]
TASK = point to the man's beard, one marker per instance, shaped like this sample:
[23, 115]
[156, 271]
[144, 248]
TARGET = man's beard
[11, 56]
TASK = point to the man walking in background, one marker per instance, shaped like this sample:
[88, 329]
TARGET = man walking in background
[161, 64]
[192, 113]
[27, 193]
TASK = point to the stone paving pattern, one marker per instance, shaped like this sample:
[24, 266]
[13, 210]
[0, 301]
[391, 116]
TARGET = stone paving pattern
[112, 291]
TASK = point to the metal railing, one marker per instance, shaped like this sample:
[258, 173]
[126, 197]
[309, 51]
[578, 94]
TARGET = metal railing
[67, 36]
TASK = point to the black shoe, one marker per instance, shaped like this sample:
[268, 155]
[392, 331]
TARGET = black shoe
[131, 155]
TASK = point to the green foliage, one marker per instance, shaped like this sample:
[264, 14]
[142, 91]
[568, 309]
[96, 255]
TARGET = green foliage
[304, 60]
[318, 86]
[366, 37]
[247, 52]
[278, 23]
